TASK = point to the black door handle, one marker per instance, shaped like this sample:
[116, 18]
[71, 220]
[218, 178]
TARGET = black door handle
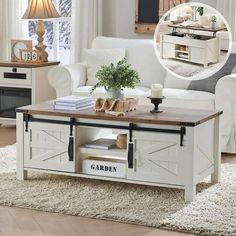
[130, 156]
[71, 149]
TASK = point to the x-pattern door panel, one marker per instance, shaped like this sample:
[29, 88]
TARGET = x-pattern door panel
[48, 147]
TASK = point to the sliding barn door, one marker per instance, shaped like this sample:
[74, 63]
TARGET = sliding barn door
[148, 13]
[47, 146]
[166, 5]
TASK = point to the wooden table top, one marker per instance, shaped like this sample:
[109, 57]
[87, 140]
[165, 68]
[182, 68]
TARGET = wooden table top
[217, 29]
[28, 64]
[169, 116]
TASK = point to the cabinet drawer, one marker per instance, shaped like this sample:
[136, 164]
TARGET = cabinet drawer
[16, 76]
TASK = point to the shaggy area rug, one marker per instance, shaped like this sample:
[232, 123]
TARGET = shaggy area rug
[213, 212]
[8, 159]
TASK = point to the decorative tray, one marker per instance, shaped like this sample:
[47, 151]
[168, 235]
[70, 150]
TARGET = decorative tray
[126, 105]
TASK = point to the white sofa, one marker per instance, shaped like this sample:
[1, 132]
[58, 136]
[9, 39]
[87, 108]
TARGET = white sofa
[71, 79]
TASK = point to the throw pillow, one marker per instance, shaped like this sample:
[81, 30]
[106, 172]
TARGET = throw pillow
[174, 82]
[209, 84]
[95, 58]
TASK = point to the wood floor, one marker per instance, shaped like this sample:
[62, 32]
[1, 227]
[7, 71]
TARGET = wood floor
[23, 222]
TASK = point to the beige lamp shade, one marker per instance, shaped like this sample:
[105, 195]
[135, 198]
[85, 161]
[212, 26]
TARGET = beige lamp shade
[40, 9]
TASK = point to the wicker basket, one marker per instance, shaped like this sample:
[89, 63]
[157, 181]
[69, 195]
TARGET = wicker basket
[125, 105]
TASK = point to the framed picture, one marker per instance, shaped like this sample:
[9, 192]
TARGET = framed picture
[28, 55]
[17, 45]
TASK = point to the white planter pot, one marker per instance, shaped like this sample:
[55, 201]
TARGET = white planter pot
[115, 94]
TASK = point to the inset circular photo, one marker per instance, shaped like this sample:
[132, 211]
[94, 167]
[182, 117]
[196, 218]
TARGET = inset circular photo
[193, 41]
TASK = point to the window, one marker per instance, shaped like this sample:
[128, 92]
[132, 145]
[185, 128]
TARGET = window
[57, 36]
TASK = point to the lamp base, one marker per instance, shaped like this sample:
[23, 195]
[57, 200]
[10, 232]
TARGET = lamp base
[41, 47]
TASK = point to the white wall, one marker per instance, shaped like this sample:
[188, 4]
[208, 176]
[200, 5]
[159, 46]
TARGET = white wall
[119, 18]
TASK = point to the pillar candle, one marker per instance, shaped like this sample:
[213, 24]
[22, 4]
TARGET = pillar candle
[157, 91]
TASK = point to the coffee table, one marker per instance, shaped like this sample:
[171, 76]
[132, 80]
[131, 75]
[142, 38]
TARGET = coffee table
[177, 148]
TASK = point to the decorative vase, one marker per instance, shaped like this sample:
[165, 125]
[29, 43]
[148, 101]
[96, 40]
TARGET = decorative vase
[213, 25]
[115, 93]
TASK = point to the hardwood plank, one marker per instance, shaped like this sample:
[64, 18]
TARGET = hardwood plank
[50, 224]
[169, 116]
[7, 135]
[8, 225]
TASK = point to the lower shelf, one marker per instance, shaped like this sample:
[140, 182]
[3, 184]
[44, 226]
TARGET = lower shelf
[122, 153]
[122, 180]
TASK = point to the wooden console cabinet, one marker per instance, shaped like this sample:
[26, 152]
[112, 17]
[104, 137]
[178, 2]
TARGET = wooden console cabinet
[16, 77]
[177, 148]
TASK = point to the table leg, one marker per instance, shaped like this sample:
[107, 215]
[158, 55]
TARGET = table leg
[215, 177]
[190, 146]
[190, 192]
[21, 173]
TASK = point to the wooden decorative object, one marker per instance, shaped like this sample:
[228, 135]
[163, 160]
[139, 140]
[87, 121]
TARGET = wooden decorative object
[28, 55]
[17, 45]
[121, 141]
[126, 105]
[145, 18]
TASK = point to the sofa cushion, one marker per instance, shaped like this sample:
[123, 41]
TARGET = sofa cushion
[182, 98]
[209, 84]
[95, 58]
[140, 54]
[174, 97]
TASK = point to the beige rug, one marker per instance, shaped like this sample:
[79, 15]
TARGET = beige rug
[213, 212]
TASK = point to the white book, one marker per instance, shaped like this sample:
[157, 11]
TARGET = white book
[73, 100]
[69, 108]
[102, 143]
[74, 105]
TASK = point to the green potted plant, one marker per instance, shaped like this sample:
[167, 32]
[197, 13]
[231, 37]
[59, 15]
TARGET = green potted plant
[200, 11]
[116, 77]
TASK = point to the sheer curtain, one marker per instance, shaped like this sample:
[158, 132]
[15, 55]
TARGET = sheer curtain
[86, 25]
[11, 26]
[227, 9]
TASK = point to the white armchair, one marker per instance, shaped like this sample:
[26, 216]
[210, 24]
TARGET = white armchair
[65, 79]
[71, 79]
[225, 99]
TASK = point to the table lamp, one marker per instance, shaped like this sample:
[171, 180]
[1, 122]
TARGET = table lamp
[188, 12]
[41, 9]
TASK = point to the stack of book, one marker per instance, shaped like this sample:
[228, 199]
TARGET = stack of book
[73, 103]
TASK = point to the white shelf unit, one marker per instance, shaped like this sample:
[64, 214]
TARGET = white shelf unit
[202, 51]
[158, 158]
[35, 78]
